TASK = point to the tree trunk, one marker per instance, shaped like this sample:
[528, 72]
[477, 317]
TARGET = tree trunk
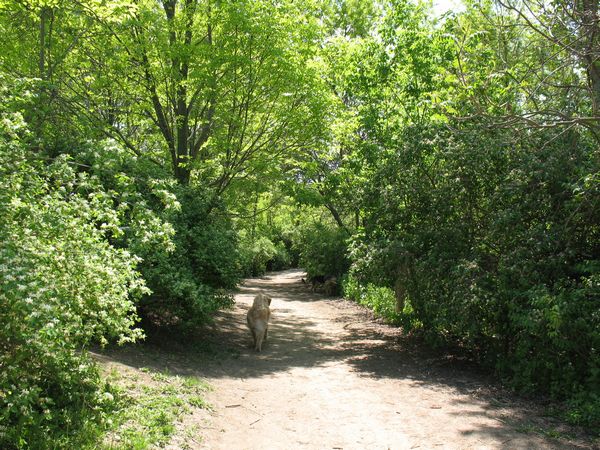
[336, 216]
[42, 43]
[591, 59]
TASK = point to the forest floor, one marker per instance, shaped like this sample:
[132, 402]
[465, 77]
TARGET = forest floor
[330, 376]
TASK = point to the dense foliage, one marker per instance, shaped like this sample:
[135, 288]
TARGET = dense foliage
[475, 190]
[443, 170]
[63, 287]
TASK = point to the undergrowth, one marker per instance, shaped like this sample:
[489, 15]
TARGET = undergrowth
[151, 407]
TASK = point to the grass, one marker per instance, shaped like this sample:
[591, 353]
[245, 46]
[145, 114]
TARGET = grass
[151, 408]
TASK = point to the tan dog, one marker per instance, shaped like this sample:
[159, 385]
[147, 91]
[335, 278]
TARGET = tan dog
[258, 319]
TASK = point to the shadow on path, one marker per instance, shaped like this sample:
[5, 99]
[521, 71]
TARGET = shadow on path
[310, 331]
[297, 339]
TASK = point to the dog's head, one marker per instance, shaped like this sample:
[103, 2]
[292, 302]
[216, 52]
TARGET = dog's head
[262, 301]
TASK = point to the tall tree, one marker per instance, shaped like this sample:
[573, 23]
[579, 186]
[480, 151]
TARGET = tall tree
[547, 54]
[220, 83]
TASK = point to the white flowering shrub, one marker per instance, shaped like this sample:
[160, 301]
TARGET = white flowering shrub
[186, 241]
[63, 286]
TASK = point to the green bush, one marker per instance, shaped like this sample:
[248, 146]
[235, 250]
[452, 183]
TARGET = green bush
[256, 254]
[187, 246]
[282, 258]
[495, 249]
[64, 286]
[262, 254]
[583, 408]
[381, 300]
[323, 250]
[189, 280]
[351, 288]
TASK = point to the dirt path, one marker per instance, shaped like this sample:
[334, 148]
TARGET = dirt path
[330, 377]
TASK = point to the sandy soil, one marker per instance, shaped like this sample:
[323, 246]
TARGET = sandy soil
[332, 377]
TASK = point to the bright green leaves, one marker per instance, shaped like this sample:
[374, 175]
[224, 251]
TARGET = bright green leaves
[64, 287]
[459, 162]
[351, 18]
[58, 235]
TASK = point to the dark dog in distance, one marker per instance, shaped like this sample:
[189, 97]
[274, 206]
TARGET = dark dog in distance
[327, 284]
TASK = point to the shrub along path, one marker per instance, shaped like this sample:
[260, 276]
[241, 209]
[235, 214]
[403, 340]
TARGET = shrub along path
[332, 377]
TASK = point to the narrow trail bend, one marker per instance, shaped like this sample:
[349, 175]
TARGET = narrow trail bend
[330, 377]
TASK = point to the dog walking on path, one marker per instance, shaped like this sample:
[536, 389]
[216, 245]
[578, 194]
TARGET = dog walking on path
[258, 319]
